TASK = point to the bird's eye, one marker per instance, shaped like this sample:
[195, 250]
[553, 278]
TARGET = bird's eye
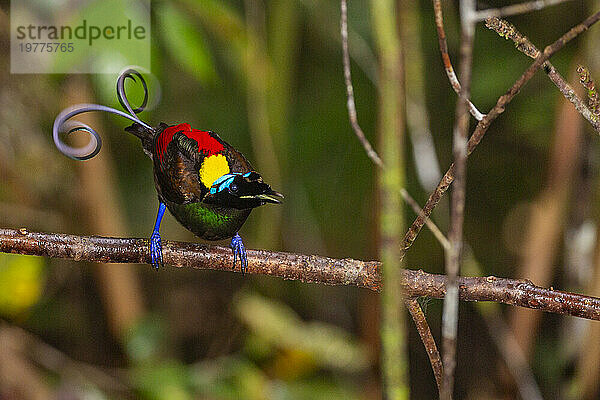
[233, 188]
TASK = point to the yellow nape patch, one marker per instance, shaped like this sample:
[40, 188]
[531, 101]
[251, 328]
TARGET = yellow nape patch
[213, 167]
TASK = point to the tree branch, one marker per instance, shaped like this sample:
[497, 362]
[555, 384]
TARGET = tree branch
[454, 82]
[453, 256]
[524, 45]
[350, 104]
[418, 316]
[484, 124]
[305, 268]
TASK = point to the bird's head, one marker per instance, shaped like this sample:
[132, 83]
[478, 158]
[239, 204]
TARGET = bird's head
[242, 191]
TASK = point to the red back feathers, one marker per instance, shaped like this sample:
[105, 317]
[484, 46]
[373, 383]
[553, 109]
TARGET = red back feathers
[207, 144]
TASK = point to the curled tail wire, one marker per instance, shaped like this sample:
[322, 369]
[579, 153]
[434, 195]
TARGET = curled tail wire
[63, 125]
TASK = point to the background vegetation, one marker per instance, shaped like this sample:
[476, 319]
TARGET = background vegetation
[267, 76]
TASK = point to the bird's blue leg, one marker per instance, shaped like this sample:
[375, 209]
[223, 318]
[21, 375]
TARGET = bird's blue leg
[238, 250]
[155, 245]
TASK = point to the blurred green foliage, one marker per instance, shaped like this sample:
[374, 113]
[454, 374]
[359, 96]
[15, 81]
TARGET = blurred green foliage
[22, 279]
[185, 43]
[315, 343]
[282, 358]
[222, 336]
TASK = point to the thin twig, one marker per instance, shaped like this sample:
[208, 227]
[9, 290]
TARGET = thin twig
[457, 203]
[439, 235]
[515, 9]
[498, 329]
[300, 267]
[350, 89]
[502, 336]
[484, 124]
[524, 45]
[416, 312]
[439, 23]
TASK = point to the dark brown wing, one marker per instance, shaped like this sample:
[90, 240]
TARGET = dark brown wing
[179, 155]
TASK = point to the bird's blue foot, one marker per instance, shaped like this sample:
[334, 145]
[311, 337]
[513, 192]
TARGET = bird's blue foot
[155, 245]
[156, 250]
[238, 250]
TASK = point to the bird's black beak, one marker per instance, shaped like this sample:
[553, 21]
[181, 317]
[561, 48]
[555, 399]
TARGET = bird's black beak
[270, 197]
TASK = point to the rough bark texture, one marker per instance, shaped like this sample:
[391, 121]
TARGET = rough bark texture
[305, 268]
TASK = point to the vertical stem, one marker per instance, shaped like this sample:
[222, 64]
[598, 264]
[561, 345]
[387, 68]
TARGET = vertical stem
[457, 205]
[391, 180]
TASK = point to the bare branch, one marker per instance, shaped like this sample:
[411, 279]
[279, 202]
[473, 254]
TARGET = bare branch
[304, 268]
[350, 89]
[439, 23]
[524, 45]
[515, 9]
[485, 123]
[497, 328]
[414, 308]
[439, 235]
[457, 203]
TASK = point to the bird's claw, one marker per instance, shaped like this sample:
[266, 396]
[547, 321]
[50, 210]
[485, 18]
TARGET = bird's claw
[238, 249]
[156, 250]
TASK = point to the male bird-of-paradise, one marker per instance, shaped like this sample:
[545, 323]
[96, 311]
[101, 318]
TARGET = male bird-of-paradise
[208, 186]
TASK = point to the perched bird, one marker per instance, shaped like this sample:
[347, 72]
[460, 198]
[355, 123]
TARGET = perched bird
[208, 186]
